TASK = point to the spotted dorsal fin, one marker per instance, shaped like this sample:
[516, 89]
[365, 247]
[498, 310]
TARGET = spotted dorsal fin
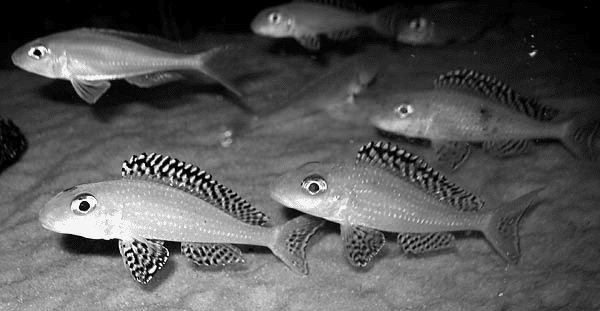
[415, 170]
[193, 180]
[497, 90]
[341, 4]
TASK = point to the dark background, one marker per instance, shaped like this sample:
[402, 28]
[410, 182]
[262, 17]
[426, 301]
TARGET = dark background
[26, 20]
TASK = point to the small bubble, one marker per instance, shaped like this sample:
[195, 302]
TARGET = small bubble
[533, 53]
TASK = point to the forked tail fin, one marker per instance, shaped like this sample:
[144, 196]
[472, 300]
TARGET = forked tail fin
[579, 136]
[214, 59]
[292, 238]
[503, 228]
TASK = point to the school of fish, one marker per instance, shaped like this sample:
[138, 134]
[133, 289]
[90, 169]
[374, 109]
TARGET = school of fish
[384, 189]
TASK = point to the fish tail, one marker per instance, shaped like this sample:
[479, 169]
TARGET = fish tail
[291, 240]
[580, 133]
[209, 61]
[503, 227]
[386, 21]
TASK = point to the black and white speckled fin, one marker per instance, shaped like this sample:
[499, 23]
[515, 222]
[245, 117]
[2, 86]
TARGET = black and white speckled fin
[507, 148]
[310, 42]
[340, 4]
[361, 244]
[212, 254]
[12, 142]
[193, 180]
[154, 79]
[498, 91]
[414, 169]
[143, 258]
[292, 239]
[419, 243]
[90, 91]
[450, 155]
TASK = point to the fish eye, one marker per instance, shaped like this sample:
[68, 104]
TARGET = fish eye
[38, 52]
[274, 18]
[418, 23]
[403, 110]
[83, 204]
[314, 184]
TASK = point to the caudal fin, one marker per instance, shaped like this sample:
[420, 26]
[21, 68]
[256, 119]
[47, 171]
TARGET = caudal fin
[292, 238]
[580, 134]
[212, 59]
[503, 228]
[388, 20]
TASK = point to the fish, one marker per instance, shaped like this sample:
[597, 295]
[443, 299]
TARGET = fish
[307, 20]
[467, 106]
[92, 57]
[449, 22]
[388, 189]
[160, 198]
[13, 143]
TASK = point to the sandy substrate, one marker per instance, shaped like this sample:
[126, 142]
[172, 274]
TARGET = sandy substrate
[71, 142]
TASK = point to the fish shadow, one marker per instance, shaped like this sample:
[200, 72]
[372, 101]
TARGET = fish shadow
[79, 245]
[121, 93]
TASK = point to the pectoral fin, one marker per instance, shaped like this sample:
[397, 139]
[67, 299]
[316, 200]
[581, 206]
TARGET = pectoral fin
[312, 43]
[154, 79]
[143, 258]
[507, 148]
[419, 243]
[90, 91]
[361, 244]
[211, 254]
[451, 154]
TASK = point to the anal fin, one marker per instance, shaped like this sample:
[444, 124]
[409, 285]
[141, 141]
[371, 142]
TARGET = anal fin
[212, 254]
[451, 154]
[419, 243]
[154, 79]
[342, 34]
[143, 258]
[90, 91]
[507, 148]
[361, 244]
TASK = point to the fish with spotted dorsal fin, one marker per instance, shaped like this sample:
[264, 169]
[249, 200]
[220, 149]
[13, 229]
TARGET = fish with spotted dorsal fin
[90, 58]
[161, 198]
[397, 192]
[467, 107]
[306, 21]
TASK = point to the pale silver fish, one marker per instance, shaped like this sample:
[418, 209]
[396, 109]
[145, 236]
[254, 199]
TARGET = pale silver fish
[307, 20]
[90, 58]
[470, 107]
[161, 198]
[449, 22]
[390, 189]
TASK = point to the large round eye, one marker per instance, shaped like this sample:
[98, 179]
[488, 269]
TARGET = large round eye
[314, 184]
[403, 110]
[418, 24]
[274, 18]
[38, 52]
[83, 204]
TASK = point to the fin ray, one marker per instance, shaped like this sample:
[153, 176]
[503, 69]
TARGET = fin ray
[90, 91]
[419, 243]
[193, 180]
[212, 254]
[292, 239]
[361, 244]
[143, 257]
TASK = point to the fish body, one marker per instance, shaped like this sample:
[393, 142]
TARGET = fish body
[469, 107]
[390, 189]
[307, 20]
[90, 58]
[163, 199]
[448, 22]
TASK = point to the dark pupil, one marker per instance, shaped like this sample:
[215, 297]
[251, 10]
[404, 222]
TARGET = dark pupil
[84, 206]
[313, 187]
[37, 53]
[403, 110]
